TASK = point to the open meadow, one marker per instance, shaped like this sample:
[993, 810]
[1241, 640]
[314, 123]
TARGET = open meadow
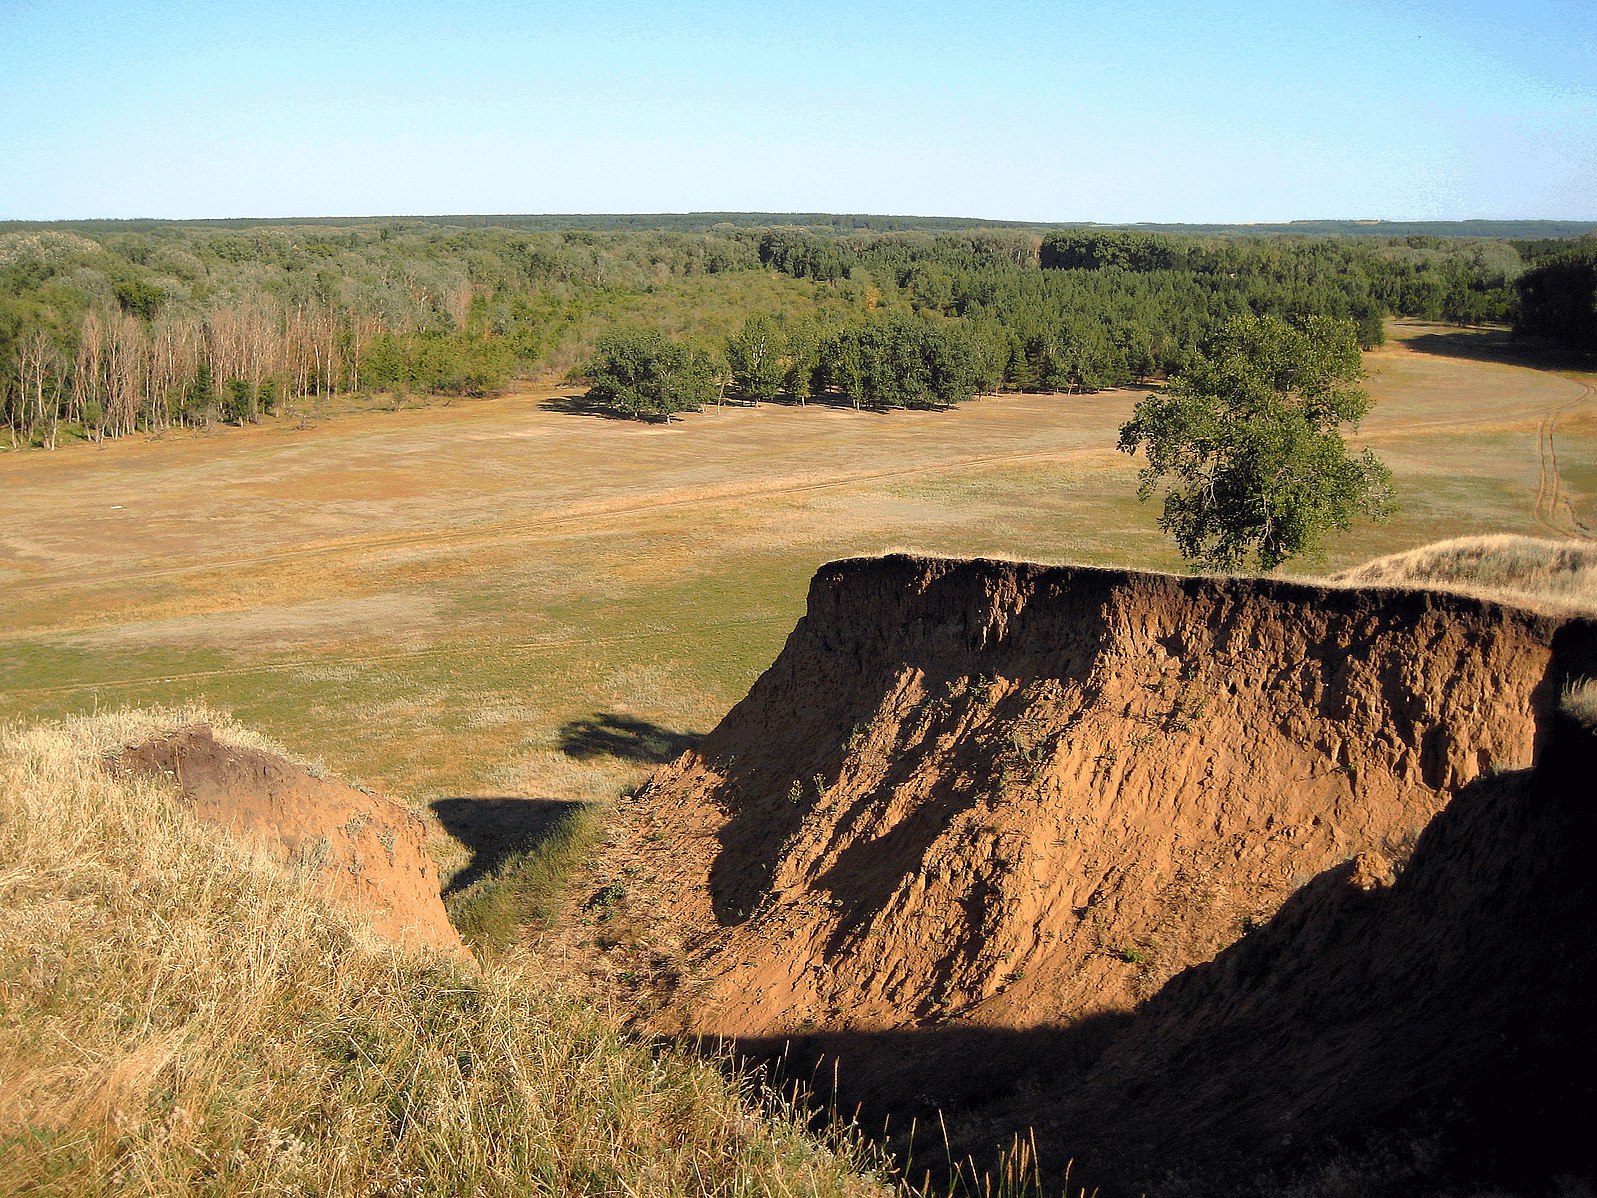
[508, 597]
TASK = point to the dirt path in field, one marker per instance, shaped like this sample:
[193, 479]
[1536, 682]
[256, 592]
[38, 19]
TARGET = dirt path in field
[554, 524]
[1553, 507]
[1454, 385]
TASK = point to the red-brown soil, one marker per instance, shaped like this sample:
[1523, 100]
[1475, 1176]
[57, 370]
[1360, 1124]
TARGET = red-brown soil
[365, 852]
[1122, 857]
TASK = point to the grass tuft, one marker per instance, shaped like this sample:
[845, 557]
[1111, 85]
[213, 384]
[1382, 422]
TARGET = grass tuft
[1578, 700]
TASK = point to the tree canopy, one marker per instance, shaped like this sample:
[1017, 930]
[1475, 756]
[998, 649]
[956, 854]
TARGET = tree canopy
[754, 354]
[909, 362]
[1246, 444]
[1558, 298]
[108, 328]
[644, 374]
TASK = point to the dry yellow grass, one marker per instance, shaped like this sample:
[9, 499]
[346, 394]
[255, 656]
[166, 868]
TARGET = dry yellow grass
[1579, 701]
[1555, 576]
[178, 1015]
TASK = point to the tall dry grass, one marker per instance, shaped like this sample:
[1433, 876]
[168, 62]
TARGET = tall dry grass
[180, 1015]
[1578, 700]
[1559, 577]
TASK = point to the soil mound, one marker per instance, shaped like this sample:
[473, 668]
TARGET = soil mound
[367, 852]
[1113, 854]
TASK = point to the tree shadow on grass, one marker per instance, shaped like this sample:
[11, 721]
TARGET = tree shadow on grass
[581, 405]
[496, 827]
[1500, 346]
[623, 737]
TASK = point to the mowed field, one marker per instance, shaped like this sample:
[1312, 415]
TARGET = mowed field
[502, 598]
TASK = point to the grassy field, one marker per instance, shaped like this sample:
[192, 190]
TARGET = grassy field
[503, 598]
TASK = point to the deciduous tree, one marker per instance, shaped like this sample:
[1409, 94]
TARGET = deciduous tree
[754, 354]
[1246, 444]
[644, 374]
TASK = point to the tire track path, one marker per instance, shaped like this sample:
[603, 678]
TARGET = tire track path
[1553, 509]
[551, 524]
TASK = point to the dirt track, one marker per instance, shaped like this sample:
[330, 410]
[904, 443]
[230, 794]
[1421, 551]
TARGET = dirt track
[1554, 508]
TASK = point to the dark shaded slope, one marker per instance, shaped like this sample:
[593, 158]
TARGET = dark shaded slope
[1454, 1003]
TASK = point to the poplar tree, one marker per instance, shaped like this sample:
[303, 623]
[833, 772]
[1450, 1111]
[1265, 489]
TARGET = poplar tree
[754, 354]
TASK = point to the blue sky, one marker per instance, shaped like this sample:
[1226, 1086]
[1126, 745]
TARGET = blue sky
[1158, 111]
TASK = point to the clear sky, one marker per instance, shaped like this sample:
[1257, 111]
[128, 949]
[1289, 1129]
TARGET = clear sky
[1160, 110]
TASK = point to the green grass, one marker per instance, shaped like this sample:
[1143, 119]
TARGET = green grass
[527, 887]
[42, 666]
[680, 651]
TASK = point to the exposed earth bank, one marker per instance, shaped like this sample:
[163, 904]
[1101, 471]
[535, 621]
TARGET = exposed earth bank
[365, 852]
[1208, 880]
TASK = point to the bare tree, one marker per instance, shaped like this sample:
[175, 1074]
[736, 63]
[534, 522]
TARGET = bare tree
[87, 404]
[126, 351]
[41, 370]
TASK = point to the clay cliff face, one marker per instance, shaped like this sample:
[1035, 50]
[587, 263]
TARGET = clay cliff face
[987, 799]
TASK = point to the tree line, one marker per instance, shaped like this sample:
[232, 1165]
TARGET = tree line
[107, 328]
[1558, 295]
[884, 361]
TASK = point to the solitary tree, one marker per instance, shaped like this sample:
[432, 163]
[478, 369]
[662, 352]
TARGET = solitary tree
[1246, 444]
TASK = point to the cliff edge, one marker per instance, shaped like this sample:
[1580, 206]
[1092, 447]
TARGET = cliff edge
[1129, 858]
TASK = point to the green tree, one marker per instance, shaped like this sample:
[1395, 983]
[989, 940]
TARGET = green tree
[200, 402]
[843, 366]
[1558, 299]
[803, 379]
[239, 401]
[754, 353]
[1246, 444]
[139, 296]
[644, 374]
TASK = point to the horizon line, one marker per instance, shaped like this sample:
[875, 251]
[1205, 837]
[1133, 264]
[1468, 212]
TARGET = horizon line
[969, 221]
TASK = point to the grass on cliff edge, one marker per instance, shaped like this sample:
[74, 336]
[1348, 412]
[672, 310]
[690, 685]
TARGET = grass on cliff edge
[179, 1015]
[1554, 576]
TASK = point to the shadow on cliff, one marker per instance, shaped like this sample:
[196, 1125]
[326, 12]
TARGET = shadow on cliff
[1449, 1005]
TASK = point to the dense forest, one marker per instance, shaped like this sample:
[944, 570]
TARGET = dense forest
[111, 327]
[1558, 293]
